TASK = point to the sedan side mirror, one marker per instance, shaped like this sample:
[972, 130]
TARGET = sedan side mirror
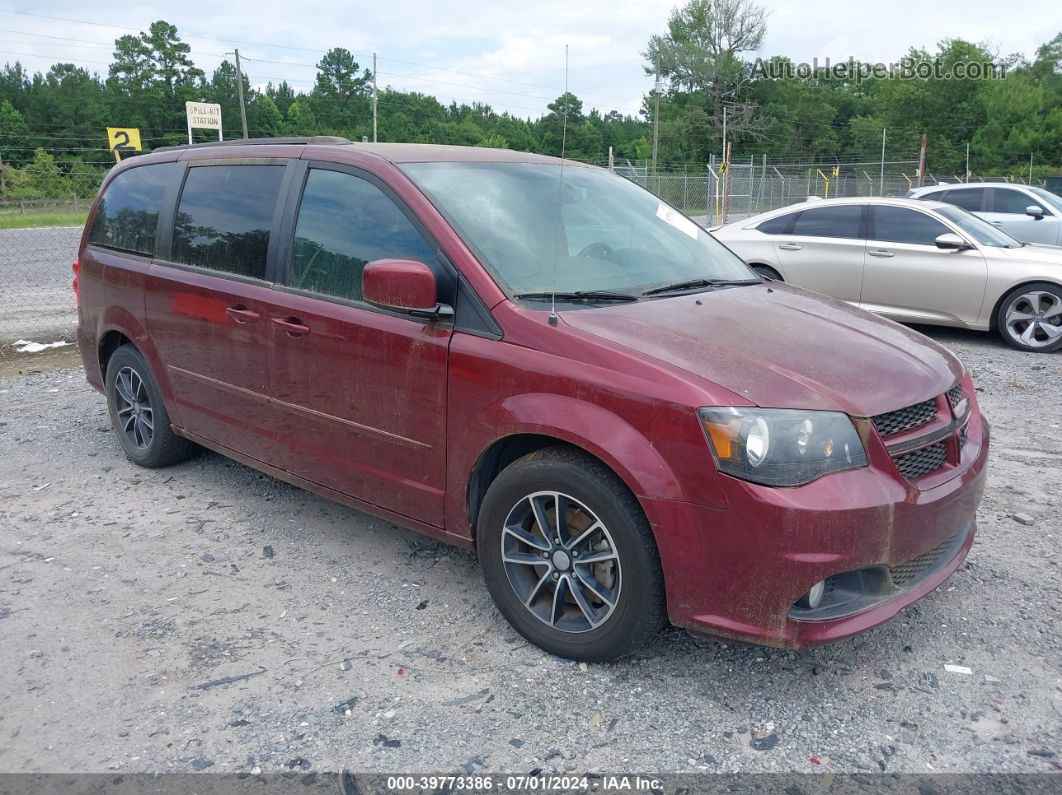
[1035, 212]
[403, 285]
[951, 242]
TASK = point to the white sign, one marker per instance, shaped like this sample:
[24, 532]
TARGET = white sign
[203, 116]
[677, 220]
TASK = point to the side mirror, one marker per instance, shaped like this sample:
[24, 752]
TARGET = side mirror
[1035, 212]
[402, 285]
[951, 242]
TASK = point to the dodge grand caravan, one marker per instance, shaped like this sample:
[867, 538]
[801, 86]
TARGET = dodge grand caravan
[539, 361]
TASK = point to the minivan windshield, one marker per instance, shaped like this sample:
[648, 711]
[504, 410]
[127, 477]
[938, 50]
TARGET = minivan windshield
[582, 232]
[981, 231]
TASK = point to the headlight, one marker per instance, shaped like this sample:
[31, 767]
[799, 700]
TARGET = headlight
[782, 447]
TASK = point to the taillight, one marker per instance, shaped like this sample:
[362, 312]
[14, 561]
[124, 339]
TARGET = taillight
[76, 268]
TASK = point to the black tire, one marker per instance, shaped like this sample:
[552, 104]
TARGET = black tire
[768, 272]
[1018, 299]
[154, 447]
[589, 490]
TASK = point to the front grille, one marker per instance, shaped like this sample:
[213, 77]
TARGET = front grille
[920, 462]
[893, 422]
[905, 573]
[955, 394]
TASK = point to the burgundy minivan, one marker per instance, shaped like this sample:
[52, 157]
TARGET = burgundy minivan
[542, 362]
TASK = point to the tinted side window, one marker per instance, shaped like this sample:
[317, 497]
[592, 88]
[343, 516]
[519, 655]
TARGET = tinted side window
[345, 222]
[224, 218]
[934, 195]
[968, 198]
[843, 221]
[128, 213]
[776, 226]
[900, 225]
[1012, 201]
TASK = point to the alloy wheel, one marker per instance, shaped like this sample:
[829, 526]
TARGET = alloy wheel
[133, 408]
[561, 561]
[1034, 319]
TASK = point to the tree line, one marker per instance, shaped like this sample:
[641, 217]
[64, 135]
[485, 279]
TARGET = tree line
[54, 121]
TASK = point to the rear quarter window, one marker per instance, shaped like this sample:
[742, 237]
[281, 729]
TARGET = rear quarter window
[127, 215]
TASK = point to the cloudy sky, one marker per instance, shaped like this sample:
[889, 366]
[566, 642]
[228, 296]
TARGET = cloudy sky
[509, 53]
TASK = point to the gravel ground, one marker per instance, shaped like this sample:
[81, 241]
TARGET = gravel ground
[128, 597]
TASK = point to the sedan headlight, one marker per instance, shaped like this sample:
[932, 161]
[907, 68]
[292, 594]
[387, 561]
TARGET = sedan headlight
[782, 447]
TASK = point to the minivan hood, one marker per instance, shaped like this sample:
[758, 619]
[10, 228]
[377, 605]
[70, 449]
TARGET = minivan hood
[783, 347]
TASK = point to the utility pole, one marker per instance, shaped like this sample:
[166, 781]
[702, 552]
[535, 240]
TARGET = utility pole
[656, 113]
[922, 162]
[375, 96]
[1030, 168]
[967, 161]
[239, 88]
[881, 184]
[724, 134]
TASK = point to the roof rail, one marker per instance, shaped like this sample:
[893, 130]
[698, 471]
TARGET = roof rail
[305, 140]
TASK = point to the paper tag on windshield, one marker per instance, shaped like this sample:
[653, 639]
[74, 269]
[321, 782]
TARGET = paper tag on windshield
[677, 220]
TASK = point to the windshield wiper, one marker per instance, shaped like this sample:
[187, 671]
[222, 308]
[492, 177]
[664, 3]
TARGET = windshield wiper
[692, 284]
[579, 295]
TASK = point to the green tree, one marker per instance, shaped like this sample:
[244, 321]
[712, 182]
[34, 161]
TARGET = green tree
[340, 93]
[14, 136]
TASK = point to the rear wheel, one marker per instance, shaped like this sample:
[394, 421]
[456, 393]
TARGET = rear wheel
[768, 273]
[1030, 317]
[569, 557]
[138, 415]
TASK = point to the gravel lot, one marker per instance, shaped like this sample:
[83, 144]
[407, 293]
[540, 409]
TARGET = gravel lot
[128, 596]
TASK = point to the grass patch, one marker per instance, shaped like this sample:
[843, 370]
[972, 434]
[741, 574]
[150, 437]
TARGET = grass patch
[38, 218]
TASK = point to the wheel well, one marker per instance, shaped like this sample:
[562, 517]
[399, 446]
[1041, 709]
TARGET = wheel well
[993, 324]
[502, 453]
[112, 341]
[771, 268]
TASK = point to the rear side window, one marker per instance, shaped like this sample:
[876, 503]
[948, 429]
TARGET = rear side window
[934, 195]
[843, 221]
[128, 213]
[901, 225]
[969, 198]
[1012, 201]
[344, 223]
[776, 226]
[224, 218]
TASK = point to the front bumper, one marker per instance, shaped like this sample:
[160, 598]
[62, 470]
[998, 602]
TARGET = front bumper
[737, 572]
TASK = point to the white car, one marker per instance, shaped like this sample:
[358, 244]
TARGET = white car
[1032, 215]
[912, 261]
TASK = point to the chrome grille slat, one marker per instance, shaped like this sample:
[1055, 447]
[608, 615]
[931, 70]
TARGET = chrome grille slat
[893, 422]
[922, 461]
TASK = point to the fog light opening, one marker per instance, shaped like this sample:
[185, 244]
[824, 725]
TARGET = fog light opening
[813, 598]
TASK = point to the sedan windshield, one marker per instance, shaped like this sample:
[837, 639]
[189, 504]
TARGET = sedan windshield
[1048, 198]
[580, 232]
[981, 231]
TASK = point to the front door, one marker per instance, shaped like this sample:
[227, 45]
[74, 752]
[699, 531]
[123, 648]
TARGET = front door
[1006, 210]
[208, 303]
[908, 278]
[360, 393]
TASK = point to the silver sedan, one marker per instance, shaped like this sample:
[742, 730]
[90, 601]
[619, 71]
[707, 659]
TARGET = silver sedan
[911, 261]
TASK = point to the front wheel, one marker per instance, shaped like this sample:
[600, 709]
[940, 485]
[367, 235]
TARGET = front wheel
[569, 557]
[1030, 318]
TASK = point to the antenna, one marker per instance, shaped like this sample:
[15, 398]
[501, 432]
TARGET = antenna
[560, 189]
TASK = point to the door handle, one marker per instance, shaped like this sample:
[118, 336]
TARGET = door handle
[881, 252]
[241, 314]
[996, 223]
[292, 325]
[789, 246]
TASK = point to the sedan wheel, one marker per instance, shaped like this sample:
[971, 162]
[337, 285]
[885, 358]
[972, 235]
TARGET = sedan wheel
[1031, 318]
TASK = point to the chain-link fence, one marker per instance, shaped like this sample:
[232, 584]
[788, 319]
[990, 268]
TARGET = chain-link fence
[720, 195]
